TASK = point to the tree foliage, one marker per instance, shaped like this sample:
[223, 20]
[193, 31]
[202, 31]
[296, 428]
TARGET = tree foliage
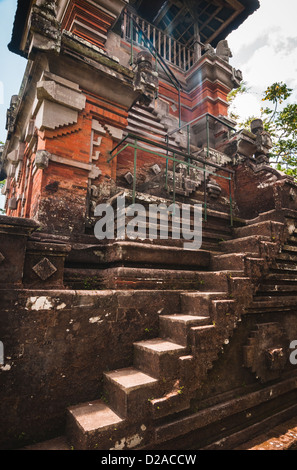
[280, 120]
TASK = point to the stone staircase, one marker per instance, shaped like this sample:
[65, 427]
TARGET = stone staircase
[156, 389]
[146, 401]
[153, 124]
[278, 290]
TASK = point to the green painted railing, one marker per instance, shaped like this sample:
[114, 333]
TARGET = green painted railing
[176, 156]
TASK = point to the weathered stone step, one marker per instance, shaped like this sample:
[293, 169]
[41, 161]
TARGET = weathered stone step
[244, 244]
[138, 115]
[293, 239]
[88, 423]
[272, 303]
[149, 113]
[230, 261]
[278, 277]
[163, 222]
[128, 391]
[287, 256]
[137, 278]
[173, 402]
[283, 266]
[276, 288]
[267, 228]
[148, 135]
[145, 278]
[157, 357]
[213, 216]
[176, 327]
[152, 128]
[147, 254]
[290, 248]
[198, 303]
[57, 443]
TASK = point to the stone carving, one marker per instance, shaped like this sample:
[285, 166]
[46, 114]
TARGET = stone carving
[209, 49]
[156, 169]
[2, 258]
[146, 80]
[12, 113]
[223, 50]
[186, 182]
[45, 29]
[129, 177]
[267, 351]
[263, 141]
[12, 204]
[213, 189]
[41, 159]
[237, 77]
[44, 269]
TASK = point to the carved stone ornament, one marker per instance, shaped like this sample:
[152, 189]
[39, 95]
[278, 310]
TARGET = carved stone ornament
[267, 351]
[44, 269]
[184, 182]
[223, 50]
[146, 80]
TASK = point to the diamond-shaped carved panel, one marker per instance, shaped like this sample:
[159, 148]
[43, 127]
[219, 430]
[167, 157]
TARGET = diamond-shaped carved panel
[44, 269]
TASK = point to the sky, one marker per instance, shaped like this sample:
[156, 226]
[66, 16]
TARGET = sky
[264, 48]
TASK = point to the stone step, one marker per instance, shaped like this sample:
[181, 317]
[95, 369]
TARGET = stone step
[283, 266]
[245, 244]
[145, 278]
[142, 278]
[158, 357]
[145, 112]
[173, 402]
[198, 303]
[279, 277]
[267, 228]
[272, 303]
[148, 135]
[128, 391]
[276, 289]
[230, 261]
[216, 217]
[176, 327]
[203, 340]
[293, 239]
[290, 248]
[93, 425]
[134, 123]
[57, 443]
[287, 256]
[137, 115]
[142, 254]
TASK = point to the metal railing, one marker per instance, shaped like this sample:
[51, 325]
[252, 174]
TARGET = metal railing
[176, 157]
[188, 125]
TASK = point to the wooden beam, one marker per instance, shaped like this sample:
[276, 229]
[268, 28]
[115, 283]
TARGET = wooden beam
[162, 12]
[210, 18]
[176, 19]
[227, 22]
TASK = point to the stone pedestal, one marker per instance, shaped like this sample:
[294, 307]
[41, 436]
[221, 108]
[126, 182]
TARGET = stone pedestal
[44, 265]
[14, 233]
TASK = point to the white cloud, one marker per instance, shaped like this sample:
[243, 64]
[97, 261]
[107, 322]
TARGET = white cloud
[265, 50]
